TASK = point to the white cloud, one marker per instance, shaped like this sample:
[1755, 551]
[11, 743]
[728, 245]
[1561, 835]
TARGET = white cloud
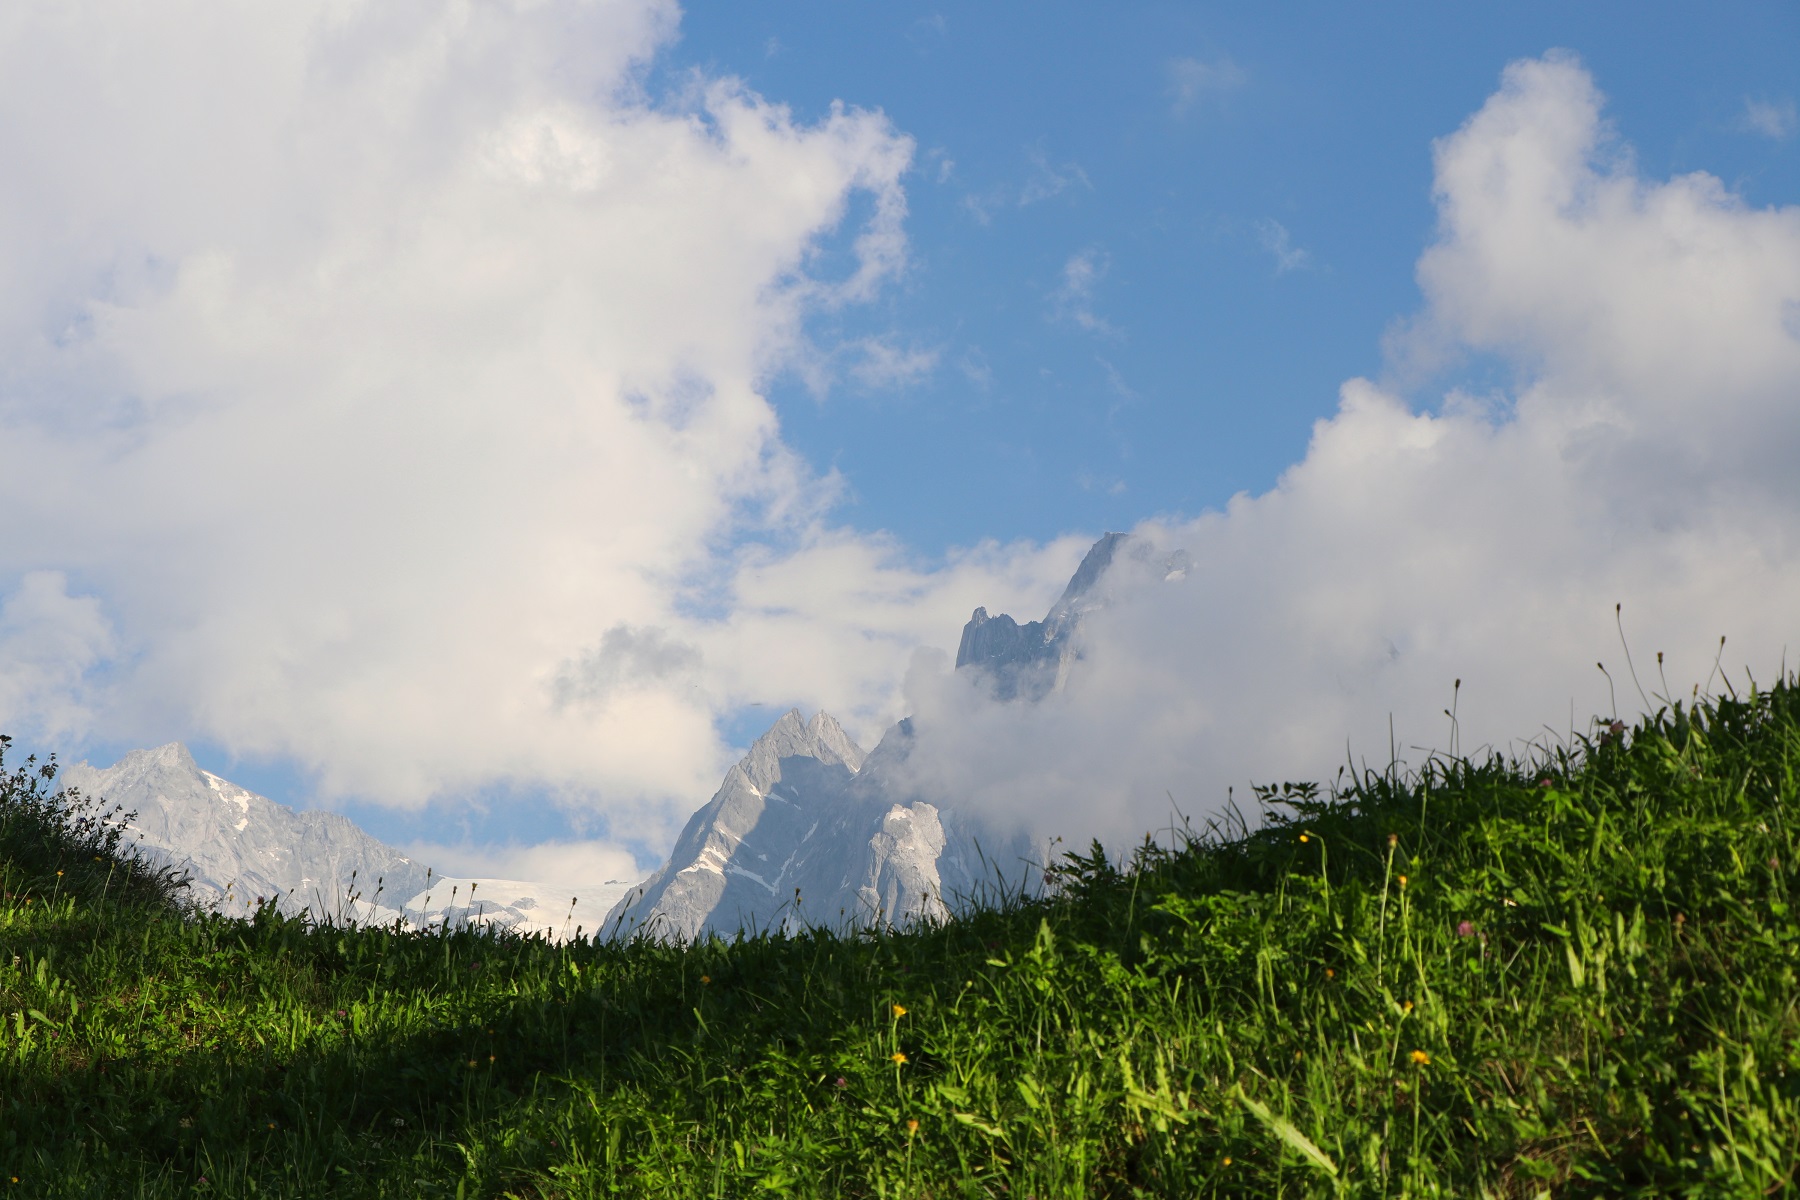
[982, 205]
[1045, 180]
[1772, 118]
[1087, 481]
[49, 643]
[382, 393]
[1646, 460]
[1190, 79]
[1274, 238]
[974, 365]
[1048, 180]
[878, 362]
[1073, 299]
[881, 363]
[569, 867]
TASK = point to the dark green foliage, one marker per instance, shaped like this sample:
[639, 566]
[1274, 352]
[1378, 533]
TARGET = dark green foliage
[1572, 976]
[54, 846]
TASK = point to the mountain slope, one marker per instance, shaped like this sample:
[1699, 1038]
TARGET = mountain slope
[1029, 661]
[806, 831]
[239, 848]
[735, 862]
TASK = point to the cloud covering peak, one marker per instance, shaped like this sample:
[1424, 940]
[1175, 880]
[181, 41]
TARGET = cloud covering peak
[1644, 459]
[382, 390]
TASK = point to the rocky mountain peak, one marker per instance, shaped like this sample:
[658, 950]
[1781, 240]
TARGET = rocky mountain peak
[1032, 660]
[792, 736]
[139, 764]
[238, 848]
[833, 744]
[1077, 597]
[808, 830]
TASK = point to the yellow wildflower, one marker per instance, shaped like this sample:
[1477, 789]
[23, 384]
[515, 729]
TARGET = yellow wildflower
[1421, 1058]
[897, 1057]
[899, 1010]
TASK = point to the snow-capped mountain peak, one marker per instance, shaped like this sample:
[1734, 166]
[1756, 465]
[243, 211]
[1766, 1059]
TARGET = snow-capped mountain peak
[239, 849]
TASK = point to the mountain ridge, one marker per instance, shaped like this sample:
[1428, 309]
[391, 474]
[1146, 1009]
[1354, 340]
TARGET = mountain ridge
[874, 851]
[239, 849]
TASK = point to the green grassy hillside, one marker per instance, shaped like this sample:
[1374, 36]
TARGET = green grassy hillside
[1573, 977]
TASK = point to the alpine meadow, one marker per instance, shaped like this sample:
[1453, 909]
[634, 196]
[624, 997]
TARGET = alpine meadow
[1034, 600]
[1569, 975]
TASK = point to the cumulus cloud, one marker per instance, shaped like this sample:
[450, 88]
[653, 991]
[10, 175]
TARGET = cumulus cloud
[381, 393]
[50, 641]
[1645, 459]
[572, 867]
[626, 656]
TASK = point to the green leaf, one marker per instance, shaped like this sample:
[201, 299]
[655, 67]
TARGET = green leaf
[1029, 1093]
[974, 1122]
[1284, 1129]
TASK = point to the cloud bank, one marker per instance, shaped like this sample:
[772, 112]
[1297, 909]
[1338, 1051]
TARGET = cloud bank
[381, 391]
[1644, 458]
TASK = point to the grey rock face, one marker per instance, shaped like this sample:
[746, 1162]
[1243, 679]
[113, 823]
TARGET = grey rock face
[806, 831]
[1030, 661]
[741, 857]
[1021, 660]
[239, 848]
[901, 856]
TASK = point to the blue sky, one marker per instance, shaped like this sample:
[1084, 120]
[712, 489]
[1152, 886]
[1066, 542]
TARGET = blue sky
[484, 421]
[1176, 145]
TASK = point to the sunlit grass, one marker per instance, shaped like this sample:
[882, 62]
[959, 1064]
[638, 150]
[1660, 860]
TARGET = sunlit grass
[1574, 976]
